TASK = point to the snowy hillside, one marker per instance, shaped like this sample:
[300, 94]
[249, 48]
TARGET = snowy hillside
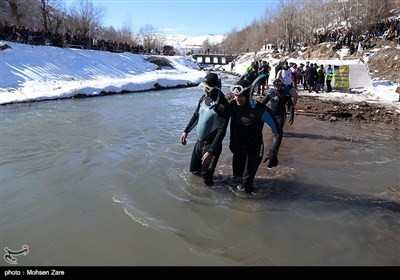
[184, 43]
[45, 72]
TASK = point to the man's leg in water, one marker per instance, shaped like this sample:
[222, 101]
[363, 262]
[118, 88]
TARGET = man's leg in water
[207, 171]
[195, 161]
[253, 160]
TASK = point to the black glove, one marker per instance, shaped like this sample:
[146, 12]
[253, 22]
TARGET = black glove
[272, 159]
[291, 120]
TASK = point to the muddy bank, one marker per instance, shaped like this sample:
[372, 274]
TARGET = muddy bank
[353, 112]
[335, 111]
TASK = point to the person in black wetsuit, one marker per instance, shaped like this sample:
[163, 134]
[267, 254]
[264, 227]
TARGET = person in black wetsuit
[246, 138]
[279, 100]
[211, 118]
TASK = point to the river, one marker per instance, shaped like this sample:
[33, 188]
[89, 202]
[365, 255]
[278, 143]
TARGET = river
[104, 181]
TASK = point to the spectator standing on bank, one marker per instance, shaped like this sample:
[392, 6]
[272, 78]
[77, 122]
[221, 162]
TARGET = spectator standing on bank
[329, 77]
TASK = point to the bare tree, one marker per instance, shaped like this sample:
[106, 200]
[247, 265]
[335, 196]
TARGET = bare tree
[267, 27]
[15, 10]
[310, 21]
[231, 43]
[126, 33]
[255, 35]
[50, 12]
[287, 20]
[86, 18]
[344, 7]
[5, 12]
[126, 29]
[315, 19]
[108, 33]
[19, 12]
[378, 10]
[151, 38]
[206, 45]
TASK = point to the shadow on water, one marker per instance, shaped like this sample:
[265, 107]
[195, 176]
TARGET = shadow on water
[282, 192]
[331, 195]
[321, 137]
[289, 202]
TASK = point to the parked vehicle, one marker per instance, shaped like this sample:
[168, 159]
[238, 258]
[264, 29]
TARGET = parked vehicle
[168, 50]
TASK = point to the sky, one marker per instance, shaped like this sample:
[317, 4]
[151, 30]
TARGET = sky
[186, 17]
[53, 73]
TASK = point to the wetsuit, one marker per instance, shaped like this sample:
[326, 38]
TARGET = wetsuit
[261, 83]
[246, 139]
[278, 101]
[212, 121]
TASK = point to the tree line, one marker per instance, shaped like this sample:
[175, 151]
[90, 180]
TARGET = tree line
[296, 22]
[81, 20]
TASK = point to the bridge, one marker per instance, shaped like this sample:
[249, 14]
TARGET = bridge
[214, 58]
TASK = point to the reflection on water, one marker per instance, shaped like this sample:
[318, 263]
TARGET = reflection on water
[83, 178]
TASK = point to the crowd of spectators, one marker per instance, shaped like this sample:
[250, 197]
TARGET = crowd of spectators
[26, 35]
[388, 29]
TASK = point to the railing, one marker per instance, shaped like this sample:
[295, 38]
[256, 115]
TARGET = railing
[221, 59]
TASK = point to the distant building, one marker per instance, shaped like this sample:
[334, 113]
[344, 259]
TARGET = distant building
[168, 50]
[269, 47]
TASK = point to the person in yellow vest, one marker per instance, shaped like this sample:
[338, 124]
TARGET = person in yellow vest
[329, 77]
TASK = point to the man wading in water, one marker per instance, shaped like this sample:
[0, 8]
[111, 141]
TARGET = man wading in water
[246, 139]
[211, 118]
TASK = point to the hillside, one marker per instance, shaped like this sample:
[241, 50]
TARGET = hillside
[194, 44]
[383, 60]
[383, 57]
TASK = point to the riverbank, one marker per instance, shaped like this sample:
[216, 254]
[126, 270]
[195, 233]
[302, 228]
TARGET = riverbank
[337, 111]
[37, 73]
[361, 112]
